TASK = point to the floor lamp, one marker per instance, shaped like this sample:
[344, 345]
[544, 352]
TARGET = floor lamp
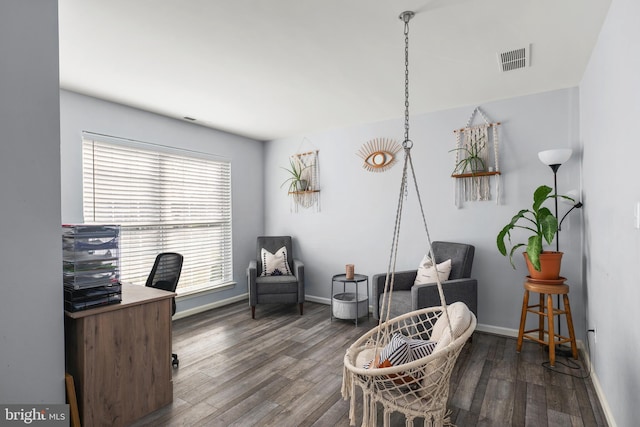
[554, 159]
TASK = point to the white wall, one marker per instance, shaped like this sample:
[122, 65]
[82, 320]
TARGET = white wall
[83, 113]
[355, 224]
[31, 310]
[609, 111]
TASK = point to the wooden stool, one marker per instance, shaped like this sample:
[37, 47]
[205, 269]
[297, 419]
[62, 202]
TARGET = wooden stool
[549, 312]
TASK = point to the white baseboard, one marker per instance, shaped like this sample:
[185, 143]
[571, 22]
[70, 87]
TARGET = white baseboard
[319, 300]
[606, 409]
[190, 312]
[604, 403]
[497, 330]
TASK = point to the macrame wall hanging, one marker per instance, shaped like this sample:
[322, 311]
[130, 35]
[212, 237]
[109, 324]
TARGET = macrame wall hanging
[477, 160]
[307, 193]
[379, 154]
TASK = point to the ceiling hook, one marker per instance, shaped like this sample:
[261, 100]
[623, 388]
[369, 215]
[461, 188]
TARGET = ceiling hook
[406, 16]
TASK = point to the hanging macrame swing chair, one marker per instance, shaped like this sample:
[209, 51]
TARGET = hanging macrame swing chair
[405, 363]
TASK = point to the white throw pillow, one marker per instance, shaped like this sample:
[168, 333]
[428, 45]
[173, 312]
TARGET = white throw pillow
[459, 316]
[275, 264]
[427, 272]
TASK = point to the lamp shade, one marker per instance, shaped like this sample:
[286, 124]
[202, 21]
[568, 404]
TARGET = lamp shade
[574, 194]
[554, 157]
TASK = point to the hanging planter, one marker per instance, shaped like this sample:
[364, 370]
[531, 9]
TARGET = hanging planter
[472, 157]
[295, 181]
[303, 181]
[476, 160]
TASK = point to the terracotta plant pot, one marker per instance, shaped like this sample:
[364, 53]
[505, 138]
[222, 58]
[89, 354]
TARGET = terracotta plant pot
[549, 266]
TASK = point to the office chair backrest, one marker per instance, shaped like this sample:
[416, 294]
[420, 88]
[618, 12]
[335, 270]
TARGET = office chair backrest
[166, 272]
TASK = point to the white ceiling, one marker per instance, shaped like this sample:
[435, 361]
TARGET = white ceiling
[274, 68]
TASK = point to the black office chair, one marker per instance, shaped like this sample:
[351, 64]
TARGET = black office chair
[165, 275]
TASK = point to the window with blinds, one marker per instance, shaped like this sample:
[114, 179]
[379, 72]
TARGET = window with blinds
[164, 201]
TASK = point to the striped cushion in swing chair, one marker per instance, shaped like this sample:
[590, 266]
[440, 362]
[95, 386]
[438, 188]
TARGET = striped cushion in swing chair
[401, 350]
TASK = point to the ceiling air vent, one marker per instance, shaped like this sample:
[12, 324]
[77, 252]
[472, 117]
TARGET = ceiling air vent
[513, 59]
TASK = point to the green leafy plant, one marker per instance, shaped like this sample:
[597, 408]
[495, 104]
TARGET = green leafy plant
[538, 220]
[296, 181]
[472, 160]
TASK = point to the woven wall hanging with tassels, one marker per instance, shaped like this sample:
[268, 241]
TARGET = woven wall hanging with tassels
[477, 160]
[309, 196]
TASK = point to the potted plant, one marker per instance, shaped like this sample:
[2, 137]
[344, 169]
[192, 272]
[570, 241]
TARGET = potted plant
[296, 180]
[543, 225]
[472, 160]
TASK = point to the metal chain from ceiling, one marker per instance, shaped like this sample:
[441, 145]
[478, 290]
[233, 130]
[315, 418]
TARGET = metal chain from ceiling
[406, 17]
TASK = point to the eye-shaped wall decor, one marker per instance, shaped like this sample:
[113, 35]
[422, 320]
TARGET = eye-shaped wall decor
[379, 154]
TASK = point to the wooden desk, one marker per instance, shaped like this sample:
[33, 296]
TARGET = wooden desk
[120, 357]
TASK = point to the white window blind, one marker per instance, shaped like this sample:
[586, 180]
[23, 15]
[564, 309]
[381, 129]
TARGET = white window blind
[164, 202]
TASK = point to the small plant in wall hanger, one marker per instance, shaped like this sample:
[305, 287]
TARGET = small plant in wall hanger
[472, 160]
[296, 180]
[303, 181]
[476, 160]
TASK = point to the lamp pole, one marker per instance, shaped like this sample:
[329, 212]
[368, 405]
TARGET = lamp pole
[555, 168]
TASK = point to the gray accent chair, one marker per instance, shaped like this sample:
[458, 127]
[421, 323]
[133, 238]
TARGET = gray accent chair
[275, 289]
[409, 297]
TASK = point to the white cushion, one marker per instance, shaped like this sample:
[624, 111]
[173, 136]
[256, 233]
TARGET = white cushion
[427, 272]
[275, 264]
[460, 317]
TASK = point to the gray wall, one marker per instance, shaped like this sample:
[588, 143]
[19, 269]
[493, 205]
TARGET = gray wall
[355, 224]
[83, 113]
[609, 112]
[31, 317]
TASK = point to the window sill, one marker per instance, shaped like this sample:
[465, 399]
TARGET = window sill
[195, 293]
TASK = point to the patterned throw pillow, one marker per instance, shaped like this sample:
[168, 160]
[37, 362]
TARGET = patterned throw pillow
[427, 272]
[275, 264]
[401, 350]
[421, 348]
[395, 353]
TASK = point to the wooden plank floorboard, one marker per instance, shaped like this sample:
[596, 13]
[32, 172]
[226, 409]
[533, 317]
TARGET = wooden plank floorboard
[519, 403]
[283, 369]
[536, 408]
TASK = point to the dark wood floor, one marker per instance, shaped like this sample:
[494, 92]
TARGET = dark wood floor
[283, 369]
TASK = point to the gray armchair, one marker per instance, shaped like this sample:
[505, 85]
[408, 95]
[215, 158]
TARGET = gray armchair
[407, 297]
[281, 289]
